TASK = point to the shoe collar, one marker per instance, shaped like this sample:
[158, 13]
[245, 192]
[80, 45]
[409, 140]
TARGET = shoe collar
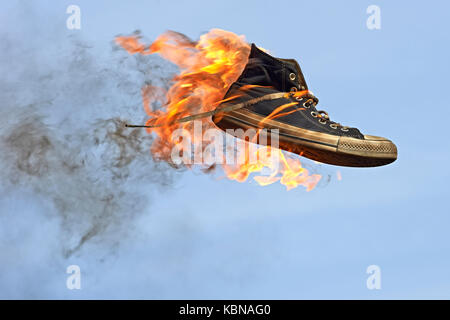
[290, 65]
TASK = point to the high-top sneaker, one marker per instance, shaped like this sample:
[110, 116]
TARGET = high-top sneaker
[271, 93]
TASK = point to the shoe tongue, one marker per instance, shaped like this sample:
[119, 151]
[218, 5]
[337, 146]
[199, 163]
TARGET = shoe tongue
[291, 65]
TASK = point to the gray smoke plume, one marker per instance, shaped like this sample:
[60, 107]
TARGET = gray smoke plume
[62, 136]
[63, 106]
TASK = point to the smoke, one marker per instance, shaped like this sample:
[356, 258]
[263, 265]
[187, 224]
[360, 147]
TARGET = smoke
[63, 106]
[62, 135]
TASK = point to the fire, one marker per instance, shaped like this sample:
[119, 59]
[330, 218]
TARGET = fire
[207, 68]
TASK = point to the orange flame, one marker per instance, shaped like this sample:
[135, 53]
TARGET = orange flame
[207, 68]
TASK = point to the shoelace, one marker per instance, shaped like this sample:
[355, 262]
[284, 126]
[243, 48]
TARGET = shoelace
[312, 100]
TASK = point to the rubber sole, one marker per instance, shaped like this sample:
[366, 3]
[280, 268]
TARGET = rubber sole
[372, 151]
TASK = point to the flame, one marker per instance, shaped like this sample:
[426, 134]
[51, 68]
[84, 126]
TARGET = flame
[207, 68]
[276, 113]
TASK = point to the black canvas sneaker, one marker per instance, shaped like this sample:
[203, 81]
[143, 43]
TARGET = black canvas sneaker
[271, 93]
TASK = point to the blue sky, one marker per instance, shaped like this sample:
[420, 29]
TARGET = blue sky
[213, 238]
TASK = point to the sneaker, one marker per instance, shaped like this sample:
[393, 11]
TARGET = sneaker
[271, 93]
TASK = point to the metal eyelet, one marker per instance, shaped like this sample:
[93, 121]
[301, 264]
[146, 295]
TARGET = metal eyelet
[294, 89]
[333, 125]
[314, 114]
[344, 129]
[322, 121]
[307, 106]
[298, 98]
[292, 76]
